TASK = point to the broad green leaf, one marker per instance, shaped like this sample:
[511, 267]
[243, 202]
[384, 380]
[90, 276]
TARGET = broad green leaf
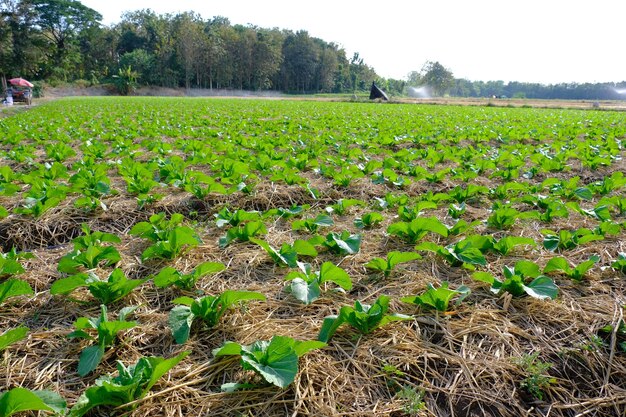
[90, 357]
[307, 292]
[65, 286]
[180, 320]
[558, 264]
[21, 399]
[160, 367]
[11, 336]
[542, 287]
[484, 277]
[527, 269]
[331, 272]
[394, 258]
[13, 288]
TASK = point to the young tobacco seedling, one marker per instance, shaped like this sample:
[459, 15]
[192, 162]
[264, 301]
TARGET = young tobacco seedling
[342, 243]
[132, 383]
[417, 229]
[560, 264]
[288, 254]
[227, 218]
[9, 262]
[393, 258]
[276, 360]
[515, 278]
[168, 236]
[11, 336]
[107, 331]
[312, 225]
[457, 254]
[116, 287]
[243, 233]
[363, 317]
[14, 287]
[306, 284]
[209, 308]
[170, 276]
[407, 214]
[18, 400]
[89, 252]
[343, 204]
[620, 263]
[566, 239]
[502, 217]
[438, 298]
[368, 220]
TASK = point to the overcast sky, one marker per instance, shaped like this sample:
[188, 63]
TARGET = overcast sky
[546, 41]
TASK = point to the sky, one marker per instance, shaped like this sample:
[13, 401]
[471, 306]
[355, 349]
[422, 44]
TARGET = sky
[544, 41]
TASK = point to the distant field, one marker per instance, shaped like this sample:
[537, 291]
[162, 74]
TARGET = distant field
[473, 257]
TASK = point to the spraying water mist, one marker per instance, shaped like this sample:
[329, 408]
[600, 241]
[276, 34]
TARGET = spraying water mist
[620, 91]
[420, 92]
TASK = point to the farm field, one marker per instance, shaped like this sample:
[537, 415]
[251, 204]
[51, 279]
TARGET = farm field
[372, 259]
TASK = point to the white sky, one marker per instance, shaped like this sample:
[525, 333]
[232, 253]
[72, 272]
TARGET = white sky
[546, 41]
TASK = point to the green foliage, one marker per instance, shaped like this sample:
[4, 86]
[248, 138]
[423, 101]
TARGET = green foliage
[515, 278]
[368, 220]
[363, 317]
[9, 262]
[209, 308]
[227, 218]
[170, 276]
[132, 383]
[457, 254]
[438, 298]
[566, 239]
[537, 381]
[560, 264]
[107, 332]
[89, 253]
[275, 360]
[342, 205]
[169, 238]
[20, 399]
[116, 287]
[11, 336]
[386, 266]
[306, 284]
[620, 263]
[417, 229]
[312, 225]
[343, 243]
[13, 288]
[243, 233]
[288, 254]
[502, 217]
[42, 196]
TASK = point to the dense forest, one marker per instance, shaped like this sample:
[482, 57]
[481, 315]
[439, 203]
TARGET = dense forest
[63, 40]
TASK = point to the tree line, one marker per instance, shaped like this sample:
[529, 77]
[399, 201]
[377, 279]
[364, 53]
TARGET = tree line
[64, 40]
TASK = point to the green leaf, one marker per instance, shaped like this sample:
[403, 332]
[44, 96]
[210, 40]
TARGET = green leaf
[13, 288]
[527, 269]
[180, 320]
[21, 399]
[394, 258]
[437, 298]
[506, 244]
[160, 367]
[542, 287]
[90, 357]
[484, 277]
[304, 291]
[330, 272]
[558, 264]
[65, 286]
[11, 336]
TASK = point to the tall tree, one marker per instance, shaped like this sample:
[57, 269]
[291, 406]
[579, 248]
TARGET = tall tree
[61, 21]
[438, 77]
